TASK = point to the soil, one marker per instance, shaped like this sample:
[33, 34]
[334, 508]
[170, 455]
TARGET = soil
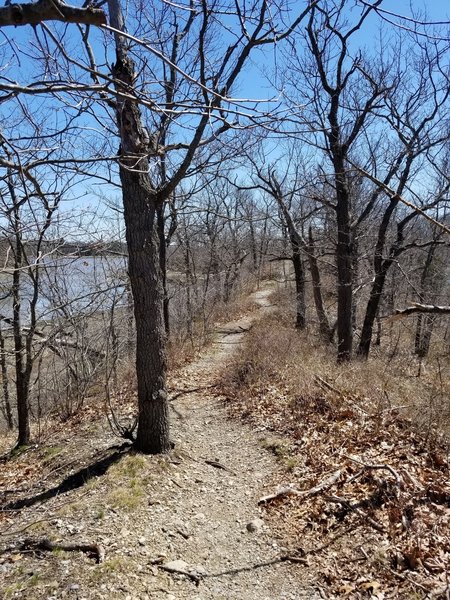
[199, 505]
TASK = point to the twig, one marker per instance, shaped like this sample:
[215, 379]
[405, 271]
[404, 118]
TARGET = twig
[192, 575]
[378, 466]
[290, 491]
[218, 465]
[351, 507]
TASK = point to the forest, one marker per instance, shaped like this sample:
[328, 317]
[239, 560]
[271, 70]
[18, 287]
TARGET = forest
[225, 220]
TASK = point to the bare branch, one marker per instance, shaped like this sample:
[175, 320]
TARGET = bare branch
[49, 10]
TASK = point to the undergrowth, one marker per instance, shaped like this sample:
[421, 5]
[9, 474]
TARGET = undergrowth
[381, 529]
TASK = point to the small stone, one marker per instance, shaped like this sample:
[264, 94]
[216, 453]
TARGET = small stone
[200, 570]
[74, 587]
[142, 541]
[255, 525]
[177, 565]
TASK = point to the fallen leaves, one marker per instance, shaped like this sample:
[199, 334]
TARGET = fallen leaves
[384, 523]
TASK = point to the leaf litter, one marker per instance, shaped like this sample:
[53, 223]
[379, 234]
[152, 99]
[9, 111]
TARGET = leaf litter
[382, 528]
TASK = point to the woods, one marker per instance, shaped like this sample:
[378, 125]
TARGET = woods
[224, 299]
[162, 111]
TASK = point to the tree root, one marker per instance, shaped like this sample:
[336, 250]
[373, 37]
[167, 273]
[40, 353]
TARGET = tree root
[45, 545]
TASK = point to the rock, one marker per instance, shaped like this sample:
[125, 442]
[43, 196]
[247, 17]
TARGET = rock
[177, 565]
[142, 541]
[255, 525]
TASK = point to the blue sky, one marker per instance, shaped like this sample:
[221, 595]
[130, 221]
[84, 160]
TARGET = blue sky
[252, 83]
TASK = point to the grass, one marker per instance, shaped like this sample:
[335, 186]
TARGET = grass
[114, 565]
[127, 499]
[325, 418]
[278, 359]
[127, 479]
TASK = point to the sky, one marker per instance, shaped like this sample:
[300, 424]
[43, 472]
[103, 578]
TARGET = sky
[253, 84]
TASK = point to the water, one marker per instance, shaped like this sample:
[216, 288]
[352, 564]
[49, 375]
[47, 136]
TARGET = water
[68, 286]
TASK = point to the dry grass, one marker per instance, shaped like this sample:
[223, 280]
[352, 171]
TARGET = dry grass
[381, 530]
[392, 379]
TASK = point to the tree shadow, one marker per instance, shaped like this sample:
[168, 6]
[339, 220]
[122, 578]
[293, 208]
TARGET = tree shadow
[74, 481]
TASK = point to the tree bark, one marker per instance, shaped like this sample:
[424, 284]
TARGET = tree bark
[148, 295]
[141, 207]
[299, 271]
[324, 325]
[372, 311]
[163, 265]
[33, 13]
[344, 261]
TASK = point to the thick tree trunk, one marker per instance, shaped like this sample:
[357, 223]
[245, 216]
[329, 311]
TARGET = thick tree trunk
[324, 325]
[344, 262]
[148, 295]
[141, 206]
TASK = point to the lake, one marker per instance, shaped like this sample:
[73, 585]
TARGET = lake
[69, 285]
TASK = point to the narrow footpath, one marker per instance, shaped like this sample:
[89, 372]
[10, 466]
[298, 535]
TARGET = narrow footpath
[195, 512]
[224, 473]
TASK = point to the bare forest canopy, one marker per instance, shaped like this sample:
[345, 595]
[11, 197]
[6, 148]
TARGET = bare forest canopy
[221, 141]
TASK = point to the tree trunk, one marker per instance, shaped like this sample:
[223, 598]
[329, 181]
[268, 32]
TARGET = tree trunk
[148, 295]
[425, 323]
[324, 325]
[299, 271]
[371, 313]
[23, 413]
[424, 330]
[163, 265]
[141, 206]
[344, 262]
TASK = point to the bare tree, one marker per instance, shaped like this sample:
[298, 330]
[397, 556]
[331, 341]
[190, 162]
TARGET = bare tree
[340, 95]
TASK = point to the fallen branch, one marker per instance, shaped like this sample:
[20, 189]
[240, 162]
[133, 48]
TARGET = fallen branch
[290, 491]
[355, 508]
[218, 465]
[191, 574]
[391, 470]
[195, 577]
[200, 388]
[93, 550]
[416, 307]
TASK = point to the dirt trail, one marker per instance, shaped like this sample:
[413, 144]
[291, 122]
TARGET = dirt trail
[198, 503]
[217, 504]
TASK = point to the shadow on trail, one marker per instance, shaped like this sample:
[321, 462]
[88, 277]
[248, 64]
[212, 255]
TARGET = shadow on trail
[74, 481]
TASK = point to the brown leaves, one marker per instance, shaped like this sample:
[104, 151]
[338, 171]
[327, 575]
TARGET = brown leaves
[382, 530]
